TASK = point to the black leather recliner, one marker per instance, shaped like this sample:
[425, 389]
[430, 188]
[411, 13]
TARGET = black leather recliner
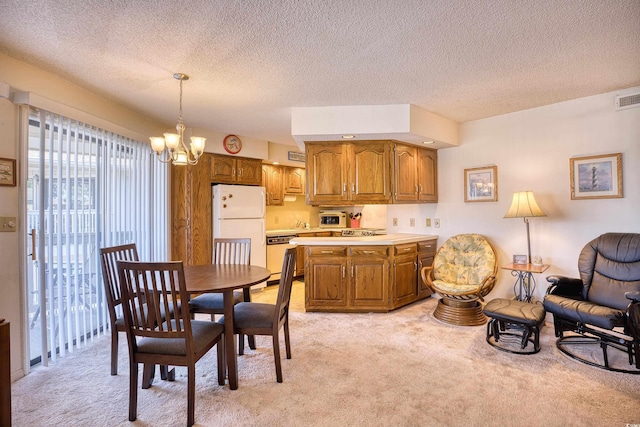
[603, 305]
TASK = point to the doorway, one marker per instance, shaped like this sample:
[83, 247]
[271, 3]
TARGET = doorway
[86, 188]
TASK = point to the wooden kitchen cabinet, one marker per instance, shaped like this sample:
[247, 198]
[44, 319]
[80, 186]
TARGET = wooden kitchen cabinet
[370, 172]
[357, 278]
[426, 254]
[293, 180]
[415, 174]
[405, 274]
[352, 173]
[191, 212]
[326, 173]
[369, 278]
[235, 170]
[273, 183]
[427, 175]
[326, 277]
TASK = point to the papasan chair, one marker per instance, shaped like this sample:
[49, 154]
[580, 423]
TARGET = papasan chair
[463, 273]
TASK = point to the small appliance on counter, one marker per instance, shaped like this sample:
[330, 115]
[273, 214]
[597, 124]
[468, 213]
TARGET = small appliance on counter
[333, 219]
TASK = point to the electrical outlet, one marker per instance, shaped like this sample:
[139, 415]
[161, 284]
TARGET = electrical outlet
[412, 222]
[395, 222]
[276, 220]
[436, 222]
[428, 222]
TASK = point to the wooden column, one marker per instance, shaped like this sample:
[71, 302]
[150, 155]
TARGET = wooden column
[5, 375]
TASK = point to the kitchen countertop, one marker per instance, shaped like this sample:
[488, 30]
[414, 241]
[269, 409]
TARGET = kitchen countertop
[288, 231]
[383, 239]
[282, 231]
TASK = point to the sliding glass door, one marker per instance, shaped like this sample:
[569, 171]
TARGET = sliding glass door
[86, 188]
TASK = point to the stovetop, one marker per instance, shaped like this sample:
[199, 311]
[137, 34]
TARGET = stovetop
[357, 232]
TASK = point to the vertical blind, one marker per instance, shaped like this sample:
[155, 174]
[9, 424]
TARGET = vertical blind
[87, 188]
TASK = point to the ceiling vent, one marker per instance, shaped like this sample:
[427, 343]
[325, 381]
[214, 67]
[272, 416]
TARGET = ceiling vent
[627, 101]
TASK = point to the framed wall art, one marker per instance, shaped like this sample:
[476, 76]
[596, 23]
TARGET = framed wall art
[8, 172]
[596, 177]
[481, 184]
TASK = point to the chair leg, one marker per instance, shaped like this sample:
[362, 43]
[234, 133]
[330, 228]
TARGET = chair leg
[240, 344]
[148, 372]
[222, 362]
[276, 356]
[246, 297]
[114, 351]
[133, 390]
[191, 394]
[167, 374]
[287, 342]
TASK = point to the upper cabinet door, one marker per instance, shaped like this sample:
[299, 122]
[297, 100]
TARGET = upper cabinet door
[294, 180]
[370, 171]
[406, 173]
[427, 175]
[249, 171]
[326, 173]
[223, 169]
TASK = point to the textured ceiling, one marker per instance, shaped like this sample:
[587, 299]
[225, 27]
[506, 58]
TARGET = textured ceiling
[250, 61]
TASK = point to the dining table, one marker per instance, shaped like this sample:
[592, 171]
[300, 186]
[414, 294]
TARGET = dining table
[225, 279]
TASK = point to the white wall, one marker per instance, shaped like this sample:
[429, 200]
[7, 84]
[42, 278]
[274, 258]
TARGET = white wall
[532, 149]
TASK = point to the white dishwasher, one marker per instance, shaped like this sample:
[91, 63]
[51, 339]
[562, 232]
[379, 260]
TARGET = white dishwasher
[276, 247]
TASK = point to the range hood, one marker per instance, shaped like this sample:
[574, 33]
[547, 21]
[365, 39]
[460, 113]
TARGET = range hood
[400, 122]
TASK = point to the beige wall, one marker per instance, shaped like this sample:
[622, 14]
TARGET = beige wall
[11, 300]
[287, 215]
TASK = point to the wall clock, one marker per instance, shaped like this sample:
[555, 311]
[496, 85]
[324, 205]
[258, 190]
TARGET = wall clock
[232, 144]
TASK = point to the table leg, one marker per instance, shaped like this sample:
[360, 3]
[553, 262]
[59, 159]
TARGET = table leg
[230, 340]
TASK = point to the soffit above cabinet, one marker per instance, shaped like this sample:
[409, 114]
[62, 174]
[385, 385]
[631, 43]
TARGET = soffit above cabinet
[400, 122]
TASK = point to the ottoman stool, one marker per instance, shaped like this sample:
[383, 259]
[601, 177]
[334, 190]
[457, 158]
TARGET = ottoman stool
[512, 318]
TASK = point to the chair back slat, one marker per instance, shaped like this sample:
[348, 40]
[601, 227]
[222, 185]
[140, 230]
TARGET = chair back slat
[231, 251]
[163, 287]
[108, 258]
[285, 285]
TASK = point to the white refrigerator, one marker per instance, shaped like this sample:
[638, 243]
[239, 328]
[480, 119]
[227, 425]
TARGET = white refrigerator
[238, 212]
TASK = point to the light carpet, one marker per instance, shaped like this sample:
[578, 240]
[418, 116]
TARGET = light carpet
[401, 368]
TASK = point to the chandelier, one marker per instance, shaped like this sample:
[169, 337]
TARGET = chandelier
[171, 147]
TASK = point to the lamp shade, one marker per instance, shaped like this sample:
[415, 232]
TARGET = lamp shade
[524, 205]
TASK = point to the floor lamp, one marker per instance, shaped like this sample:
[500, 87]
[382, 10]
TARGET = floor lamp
[523, 205]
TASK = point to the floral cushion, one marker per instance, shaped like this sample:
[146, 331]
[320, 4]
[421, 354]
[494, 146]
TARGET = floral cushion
[462, 263]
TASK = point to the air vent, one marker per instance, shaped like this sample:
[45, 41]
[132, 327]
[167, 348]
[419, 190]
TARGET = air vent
[627, 101]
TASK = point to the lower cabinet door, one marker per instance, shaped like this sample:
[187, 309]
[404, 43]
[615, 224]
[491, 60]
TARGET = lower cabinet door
[369, 287]
[326, 283]
[405, 272]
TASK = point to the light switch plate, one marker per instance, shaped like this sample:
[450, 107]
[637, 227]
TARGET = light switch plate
[428, 222]
[8, 223]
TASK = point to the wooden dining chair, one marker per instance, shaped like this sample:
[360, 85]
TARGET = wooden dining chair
[108, 258]
[225, 251]
[178, 341]
[252, 318]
